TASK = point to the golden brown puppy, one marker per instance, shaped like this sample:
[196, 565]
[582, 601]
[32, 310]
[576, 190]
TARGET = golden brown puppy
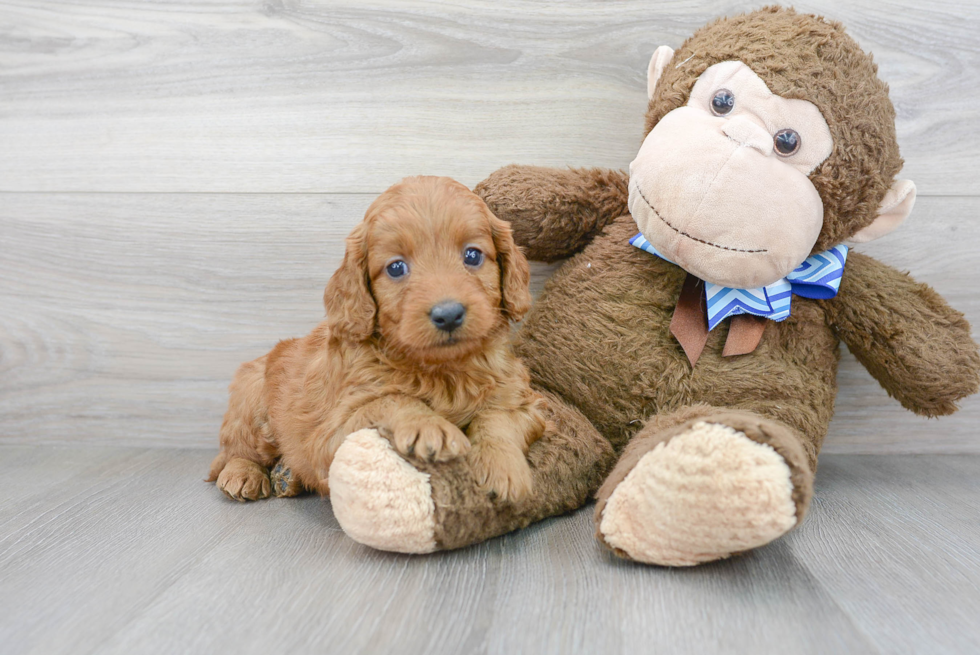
[416, 344]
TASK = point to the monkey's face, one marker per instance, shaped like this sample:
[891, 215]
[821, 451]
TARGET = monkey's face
[720, 185]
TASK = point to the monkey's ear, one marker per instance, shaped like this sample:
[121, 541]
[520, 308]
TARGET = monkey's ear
[347, 298]
[658, 62]
[894, 209]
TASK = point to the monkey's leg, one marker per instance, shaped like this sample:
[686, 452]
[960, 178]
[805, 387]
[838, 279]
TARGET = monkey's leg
[382, 501]
[702, 483]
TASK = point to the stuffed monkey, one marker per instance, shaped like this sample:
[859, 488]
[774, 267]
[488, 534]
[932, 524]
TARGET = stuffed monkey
[696, 325]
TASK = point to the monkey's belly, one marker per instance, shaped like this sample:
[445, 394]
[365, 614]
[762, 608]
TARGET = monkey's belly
[599, 336]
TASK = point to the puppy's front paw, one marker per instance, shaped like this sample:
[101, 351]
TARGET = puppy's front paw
[429, 438]
[501, 470]
[242, 480]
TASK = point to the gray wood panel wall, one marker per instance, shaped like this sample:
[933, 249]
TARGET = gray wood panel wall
[176, 179]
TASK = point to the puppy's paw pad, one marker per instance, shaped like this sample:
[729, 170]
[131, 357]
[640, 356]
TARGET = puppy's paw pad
[284, 483]
[242, 480]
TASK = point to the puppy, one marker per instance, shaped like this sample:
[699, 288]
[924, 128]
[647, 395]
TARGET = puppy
[415, 344]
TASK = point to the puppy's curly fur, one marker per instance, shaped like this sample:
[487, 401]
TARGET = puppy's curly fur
[380, 359]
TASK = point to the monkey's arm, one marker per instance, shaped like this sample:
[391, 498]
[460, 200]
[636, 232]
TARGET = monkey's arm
[916, 345]
[553, 212]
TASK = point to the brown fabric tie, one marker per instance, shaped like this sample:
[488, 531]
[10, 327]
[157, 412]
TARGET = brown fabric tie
[689, 324]
[690, 321]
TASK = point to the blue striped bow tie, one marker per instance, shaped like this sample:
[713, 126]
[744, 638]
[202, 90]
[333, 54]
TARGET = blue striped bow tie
[817, 277]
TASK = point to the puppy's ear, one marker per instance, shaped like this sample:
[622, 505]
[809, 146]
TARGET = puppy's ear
[515, 296]
[350, 306]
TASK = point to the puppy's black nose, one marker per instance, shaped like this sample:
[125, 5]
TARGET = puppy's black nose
[448, 315]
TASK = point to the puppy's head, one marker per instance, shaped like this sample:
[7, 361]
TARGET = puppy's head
[431, 270]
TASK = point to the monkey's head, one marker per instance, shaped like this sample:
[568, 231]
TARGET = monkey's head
[769, 138]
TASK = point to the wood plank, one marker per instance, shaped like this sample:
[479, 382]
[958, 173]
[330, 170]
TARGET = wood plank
[78, 563]
[889, 538]
[66, 468]
[125, 315]
[345, 96]
[141, 556]
[767, 602]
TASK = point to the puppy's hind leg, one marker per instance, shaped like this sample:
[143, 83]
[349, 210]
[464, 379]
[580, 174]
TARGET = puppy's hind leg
[247, 444]
[285, 484]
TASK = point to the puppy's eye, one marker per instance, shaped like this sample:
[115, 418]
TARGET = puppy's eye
[723, 102]
[473, 257]
[397, 269]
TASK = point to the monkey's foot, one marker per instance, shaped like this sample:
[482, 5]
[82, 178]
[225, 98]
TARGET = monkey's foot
[701, 495]
[379, 499]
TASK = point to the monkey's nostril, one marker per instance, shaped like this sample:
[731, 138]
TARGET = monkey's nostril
[447, 315]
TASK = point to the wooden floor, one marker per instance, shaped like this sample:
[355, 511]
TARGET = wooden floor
[116, 550]
[176, 180]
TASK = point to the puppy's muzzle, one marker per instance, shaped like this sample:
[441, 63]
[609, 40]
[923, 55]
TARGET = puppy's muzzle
[448, 315]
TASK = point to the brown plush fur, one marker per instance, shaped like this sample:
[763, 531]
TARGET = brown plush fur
[598, 338]
[910, 340]
[552, 212]
[378, 360]
[613, 303]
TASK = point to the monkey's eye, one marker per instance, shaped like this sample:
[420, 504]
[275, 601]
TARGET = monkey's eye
[786, 142]
[397, 269]
[473, 257]
[723, 102]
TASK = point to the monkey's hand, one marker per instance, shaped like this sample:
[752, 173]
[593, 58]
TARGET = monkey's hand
[906, 335]
[554, 212]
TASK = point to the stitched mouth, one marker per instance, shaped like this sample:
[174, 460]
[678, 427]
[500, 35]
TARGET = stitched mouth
[685, 234]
